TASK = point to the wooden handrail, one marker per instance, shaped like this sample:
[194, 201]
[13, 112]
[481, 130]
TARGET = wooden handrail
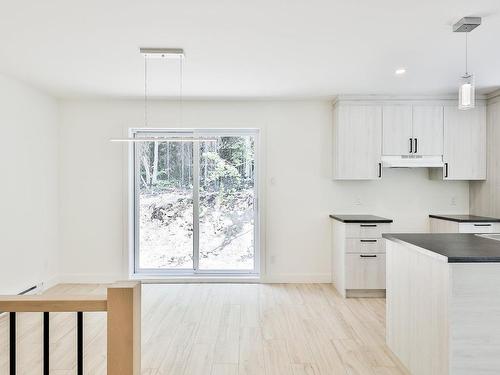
[123, 306]
[40, 303]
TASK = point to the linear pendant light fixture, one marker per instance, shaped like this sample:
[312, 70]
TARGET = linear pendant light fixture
[170, 54]
[466, 91]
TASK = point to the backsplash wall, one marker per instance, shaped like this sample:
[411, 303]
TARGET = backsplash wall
[485, 195]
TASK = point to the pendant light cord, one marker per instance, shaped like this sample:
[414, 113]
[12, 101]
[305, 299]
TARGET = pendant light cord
[466, 55]
[146, 91]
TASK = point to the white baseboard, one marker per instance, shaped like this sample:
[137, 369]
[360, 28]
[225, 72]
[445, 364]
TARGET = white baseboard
[151, 279]
[275, 278]
[299, 278]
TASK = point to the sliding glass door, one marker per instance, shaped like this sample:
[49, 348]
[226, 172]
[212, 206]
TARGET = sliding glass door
[195, 197]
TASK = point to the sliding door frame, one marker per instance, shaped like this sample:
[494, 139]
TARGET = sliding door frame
[135, 212]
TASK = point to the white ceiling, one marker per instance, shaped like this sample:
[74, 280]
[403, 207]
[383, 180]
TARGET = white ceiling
[248, 49]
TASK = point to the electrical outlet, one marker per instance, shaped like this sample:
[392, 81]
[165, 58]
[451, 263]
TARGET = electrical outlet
[357, 201]
[453, 201]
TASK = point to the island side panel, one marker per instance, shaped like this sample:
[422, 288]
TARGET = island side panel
[338, 256]
[443, 226]
[417, 308]
[475, 319]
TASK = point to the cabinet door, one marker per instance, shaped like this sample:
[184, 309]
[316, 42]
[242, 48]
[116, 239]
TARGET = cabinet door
[465, 143]
[365, 271]
[428, 130]
[443, 226]
[357, 142]
[396, 129]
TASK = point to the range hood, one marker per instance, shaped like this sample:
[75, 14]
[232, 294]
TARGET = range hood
[412, 161]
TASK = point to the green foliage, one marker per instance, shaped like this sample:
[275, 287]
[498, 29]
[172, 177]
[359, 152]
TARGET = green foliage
[221, 171]
[225, 165]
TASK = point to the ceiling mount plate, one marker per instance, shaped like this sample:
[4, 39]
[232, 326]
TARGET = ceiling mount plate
[466, 24]
[162, 53]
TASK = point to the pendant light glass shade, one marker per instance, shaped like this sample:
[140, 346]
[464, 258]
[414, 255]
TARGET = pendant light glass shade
[466, 93]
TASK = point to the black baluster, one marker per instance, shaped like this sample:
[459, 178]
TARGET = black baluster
[46, 343]
[12, 343]
[79, 339]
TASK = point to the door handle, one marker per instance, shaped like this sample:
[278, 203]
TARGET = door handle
[416, 145]
[367, 225]
[411, 145]
[367, 240]
[446, 170]
[379, 170]
[482, 225]
[367, 256]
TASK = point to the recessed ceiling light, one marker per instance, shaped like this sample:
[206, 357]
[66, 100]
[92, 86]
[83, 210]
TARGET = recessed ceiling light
[400, 71]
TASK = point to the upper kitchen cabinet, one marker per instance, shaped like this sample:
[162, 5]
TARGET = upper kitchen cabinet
[372, 132]
[428, 130]
[357, 140]
[412, 130]
[397, 138]
[464, 143]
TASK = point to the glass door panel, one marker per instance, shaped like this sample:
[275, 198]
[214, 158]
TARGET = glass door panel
[165, 204]
[195, 209]
[226, 204]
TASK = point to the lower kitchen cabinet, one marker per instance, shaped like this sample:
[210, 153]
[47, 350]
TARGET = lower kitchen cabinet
[463, 224]
[359, 255]
[365, 271]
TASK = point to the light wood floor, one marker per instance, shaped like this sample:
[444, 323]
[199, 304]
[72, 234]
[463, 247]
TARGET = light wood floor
[223, 329]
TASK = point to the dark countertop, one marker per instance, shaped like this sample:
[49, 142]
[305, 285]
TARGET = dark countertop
[457, 247]
[361, 219]
[466, 218]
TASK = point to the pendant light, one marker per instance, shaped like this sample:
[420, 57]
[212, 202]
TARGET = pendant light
[467, 90]
[162, 53]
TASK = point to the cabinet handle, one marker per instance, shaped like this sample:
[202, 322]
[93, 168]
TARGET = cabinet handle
[411, 145]
[367, 240]
[367, 256]
[367, 225]
[482, 225]
[446, 170]
[416, 145]
[379, 170]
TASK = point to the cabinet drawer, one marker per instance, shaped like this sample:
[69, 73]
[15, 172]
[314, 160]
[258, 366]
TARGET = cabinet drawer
[365, 245]
[478, 228]
[365, 271]
[367, 230]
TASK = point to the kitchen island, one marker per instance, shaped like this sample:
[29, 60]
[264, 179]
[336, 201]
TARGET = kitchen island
[443, 303]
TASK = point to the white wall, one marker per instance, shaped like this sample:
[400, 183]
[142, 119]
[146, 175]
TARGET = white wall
[485, 195]
[298, 191]
[28, 188]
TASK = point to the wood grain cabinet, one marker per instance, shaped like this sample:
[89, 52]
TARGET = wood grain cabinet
[427, 129]
[364, 130]
[470, 225]
[357, 139]
[397, 128]
[412, 129]
[464, 144]
[359, 258]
